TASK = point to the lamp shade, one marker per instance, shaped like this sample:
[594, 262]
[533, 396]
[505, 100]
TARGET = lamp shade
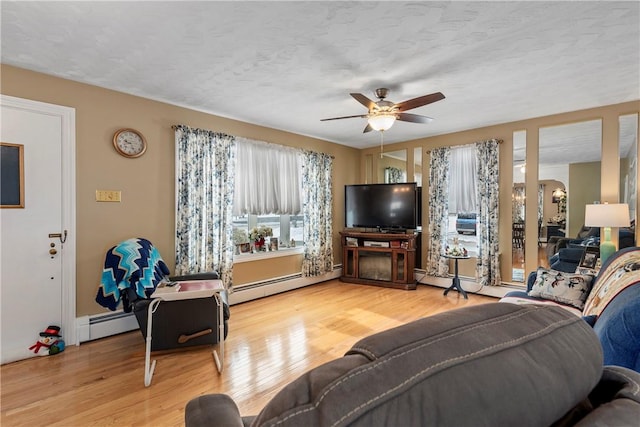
[607, 215]
[381, 121]
[558, 193]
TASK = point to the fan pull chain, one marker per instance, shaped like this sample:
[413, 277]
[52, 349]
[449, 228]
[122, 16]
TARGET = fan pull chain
[381, 142]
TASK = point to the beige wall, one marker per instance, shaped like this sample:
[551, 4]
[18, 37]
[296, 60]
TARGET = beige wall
[609, 185]
[147, 183]
[584, 188]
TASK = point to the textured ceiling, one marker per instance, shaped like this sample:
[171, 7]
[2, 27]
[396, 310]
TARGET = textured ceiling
[286, 65]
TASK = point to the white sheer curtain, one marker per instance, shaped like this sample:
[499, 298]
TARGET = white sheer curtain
[267, 179]
[462, 181]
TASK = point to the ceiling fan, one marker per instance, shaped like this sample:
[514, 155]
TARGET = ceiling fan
[383, 114]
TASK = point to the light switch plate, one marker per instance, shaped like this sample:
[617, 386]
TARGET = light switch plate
[108, 195]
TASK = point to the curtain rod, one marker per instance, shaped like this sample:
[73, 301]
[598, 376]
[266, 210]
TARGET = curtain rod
[499, 142]
[174, 127]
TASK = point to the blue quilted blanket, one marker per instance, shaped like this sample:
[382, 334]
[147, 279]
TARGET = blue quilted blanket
[133, 264]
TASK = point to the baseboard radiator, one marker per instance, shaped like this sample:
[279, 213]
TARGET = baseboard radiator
[468, 284]
[261, 289]
[102, 325]
[105, 324]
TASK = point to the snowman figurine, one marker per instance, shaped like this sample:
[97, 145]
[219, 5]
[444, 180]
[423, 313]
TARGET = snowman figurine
[50, 342]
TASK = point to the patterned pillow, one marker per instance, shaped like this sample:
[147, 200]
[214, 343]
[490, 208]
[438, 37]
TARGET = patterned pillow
[566, 288]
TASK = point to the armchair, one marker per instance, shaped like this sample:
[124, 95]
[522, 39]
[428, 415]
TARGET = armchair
[132, 271]
[587, 236]
[555, 243]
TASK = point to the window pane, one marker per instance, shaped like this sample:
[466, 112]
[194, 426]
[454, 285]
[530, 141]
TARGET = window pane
[284, 227]
[272, 221]
[240, 229]
[463, 227]
[296, 228]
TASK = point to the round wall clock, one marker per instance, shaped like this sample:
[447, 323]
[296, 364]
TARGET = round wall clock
[129, 143]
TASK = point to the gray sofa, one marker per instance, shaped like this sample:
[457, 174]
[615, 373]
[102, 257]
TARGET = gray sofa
[496, 364]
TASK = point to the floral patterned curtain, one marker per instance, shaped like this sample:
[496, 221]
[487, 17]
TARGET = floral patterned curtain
[393, 175]
[438, 211]
[488, 261]
[316, 209]
[517, 207]
[205, 169]
[540, 206]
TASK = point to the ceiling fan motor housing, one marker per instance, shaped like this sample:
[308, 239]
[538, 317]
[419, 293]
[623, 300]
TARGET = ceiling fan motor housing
[385, 106]
[382, 93]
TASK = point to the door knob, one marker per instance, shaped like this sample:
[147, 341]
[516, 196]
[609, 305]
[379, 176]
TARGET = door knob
[53, 251]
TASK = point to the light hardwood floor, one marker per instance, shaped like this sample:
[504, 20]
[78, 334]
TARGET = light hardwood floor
[517, 256]
[271, 342]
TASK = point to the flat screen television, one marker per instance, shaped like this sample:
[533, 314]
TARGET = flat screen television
[381, 206]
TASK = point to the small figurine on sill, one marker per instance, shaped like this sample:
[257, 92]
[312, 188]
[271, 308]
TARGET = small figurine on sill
[49, 343]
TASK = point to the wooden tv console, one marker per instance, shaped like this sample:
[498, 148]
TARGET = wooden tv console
[380, 259]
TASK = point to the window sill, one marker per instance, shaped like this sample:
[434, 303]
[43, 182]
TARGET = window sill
[237, 259]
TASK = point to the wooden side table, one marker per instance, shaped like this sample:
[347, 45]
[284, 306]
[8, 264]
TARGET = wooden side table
[456, 280]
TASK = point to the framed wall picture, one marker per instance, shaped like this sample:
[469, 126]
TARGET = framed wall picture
[11, 175]
[590, 257]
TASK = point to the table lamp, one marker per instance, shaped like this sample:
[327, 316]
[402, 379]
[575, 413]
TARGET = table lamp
[607, 215]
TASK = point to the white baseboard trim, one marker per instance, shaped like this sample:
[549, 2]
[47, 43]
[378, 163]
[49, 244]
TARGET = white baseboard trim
[102, 325]
[251, 291]
[467, 284]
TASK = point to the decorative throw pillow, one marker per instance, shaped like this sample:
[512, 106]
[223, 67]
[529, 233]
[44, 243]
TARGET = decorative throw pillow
[566, 288]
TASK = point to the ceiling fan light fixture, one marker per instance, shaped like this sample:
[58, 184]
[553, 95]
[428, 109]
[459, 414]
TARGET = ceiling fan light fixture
[381, 121]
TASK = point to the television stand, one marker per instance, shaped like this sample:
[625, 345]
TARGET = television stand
[391, 231]
[379, 259]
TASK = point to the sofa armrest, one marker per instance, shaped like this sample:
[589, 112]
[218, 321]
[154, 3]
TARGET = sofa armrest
[571, 254]
[618, 328]
[567, 259]
[616, 400]
[554, 244]
[212, 410]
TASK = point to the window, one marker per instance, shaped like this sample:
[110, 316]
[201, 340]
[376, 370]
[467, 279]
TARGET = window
[268, 196]
[285, 227]
[462, 224]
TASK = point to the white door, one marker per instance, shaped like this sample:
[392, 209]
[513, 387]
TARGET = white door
[34, 275]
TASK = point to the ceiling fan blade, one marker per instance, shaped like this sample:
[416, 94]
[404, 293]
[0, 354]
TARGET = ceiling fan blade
[419, 101]
[414, 118]
[345, 117]
[367, 129]
[364, 100]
